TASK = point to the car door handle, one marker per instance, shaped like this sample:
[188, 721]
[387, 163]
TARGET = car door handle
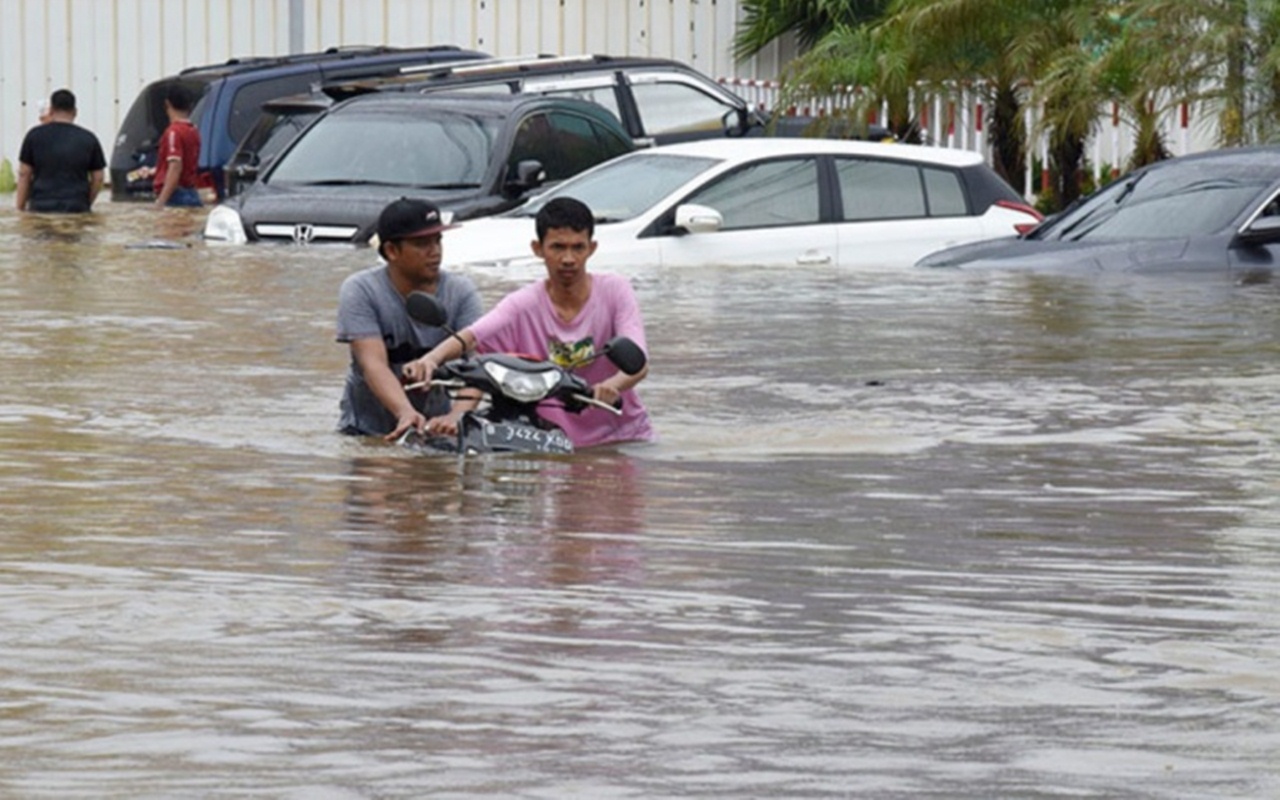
[810, 258]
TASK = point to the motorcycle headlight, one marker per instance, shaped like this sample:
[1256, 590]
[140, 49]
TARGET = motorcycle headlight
[223, 225]
[526, 387]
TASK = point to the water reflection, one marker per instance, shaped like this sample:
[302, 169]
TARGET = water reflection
[921, 534]
[500, 521]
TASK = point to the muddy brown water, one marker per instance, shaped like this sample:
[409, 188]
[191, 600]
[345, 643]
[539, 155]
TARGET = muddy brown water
[906, 534]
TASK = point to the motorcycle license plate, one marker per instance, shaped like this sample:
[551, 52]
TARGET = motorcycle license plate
[505, 437]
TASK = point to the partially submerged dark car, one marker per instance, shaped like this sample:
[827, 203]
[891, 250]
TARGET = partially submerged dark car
[657, 100]
[472, 155]
[228, 99]
[1213, 211]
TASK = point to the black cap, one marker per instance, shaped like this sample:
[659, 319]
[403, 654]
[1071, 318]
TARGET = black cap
[406, 218]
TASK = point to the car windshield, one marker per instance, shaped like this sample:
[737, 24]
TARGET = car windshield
[1172, 202]
[625, 187]
[274, 130]
[441, 151]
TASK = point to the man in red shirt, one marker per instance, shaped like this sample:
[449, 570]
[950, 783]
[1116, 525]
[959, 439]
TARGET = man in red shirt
[175, 178]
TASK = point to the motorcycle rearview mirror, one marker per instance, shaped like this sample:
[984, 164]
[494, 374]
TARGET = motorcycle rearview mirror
[626, 355]
[426, 309]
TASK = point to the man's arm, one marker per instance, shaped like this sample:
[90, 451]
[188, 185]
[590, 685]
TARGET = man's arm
[25, 173]
[612, 387]
[627, 322]
[371, 358]
[95, 185]
[171, 178]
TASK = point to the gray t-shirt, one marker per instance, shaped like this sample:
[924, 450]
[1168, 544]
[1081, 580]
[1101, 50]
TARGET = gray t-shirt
[370, 307]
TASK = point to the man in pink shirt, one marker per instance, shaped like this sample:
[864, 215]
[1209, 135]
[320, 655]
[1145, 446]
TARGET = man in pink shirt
[563, 319]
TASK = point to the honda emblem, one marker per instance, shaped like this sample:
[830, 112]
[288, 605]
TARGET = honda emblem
[304, 233]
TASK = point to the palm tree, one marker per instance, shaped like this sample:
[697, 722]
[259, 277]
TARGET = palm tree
[865, 69]
[1072, 59]
[995, 46]
[1226, 52]
[810, 20]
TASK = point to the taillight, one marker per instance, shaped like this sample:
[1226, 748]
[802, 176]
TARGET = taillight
[1022, 228]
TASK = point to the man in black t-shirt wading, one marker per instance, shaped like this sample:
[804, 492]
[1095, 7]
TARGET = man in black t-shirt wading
[60, 164]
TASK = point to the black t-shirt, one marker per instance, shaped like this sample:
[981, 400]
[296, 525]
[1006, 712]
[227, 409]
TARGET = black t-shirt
[61, 156]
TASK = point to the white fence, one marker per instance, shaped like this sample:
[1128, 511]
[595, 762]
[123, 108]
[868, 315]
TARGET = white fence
[959, 120]
[107, 50]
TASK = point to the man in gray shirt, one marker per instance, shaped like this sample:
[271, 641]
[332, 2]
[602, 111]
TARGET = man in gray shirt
[373, 320]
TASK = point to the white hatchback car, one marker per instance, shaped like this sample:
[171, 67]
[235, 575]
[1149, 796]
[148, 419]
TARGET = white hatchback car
[783, 202]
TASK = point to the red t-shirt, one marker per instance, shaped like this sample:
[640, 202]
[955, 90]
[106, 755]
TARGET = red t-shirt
[180, 140]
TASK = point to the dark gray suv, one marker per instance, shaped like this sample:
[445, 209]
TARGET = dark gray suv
[472, 155]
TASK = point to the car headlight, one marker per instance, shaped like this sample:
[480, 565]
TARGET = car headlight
[526, 387]
[223, 225]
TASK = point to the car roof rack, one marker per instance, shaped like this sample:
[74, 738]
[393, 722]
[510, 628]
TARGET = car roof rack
[414, 75]
[481, 66]
[246, 63]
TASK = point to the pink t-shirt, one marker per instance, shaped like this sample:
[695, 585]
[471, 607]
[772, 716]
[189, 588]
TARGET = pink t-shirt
[525, 322]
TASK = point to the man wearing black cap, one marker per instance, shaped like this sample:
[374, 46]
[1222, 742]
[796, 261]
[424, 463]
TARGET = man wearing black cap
[373, 320]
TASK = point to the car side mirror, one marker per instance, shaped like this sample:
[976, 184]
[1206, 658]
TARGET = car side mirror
[693, 218]
[736, 122]
[1263, 230]
[528, 174]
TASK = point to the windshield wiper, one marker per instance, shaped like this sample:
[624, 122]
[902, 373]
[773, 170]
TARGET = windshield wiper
[444, 185]
[348, 182]
[1097, 216]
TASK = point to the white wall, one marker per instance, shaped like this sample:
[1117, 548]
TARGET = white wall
[105, 51]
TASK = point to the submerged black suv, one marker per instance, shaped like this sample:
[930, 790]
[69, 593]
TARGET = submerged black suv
[230, 95]
[472, 155]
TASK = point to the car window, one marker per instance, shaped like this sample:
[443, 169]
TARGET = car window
[779, 192]
[273, 132]
[565, 143]
[443, 150]
[672, 108]
[247, 103]
[146, 119]
[1271, 208]
[873, 189]
[583, 143]
[535, 141]
[945, 194]
[627, 187]
[604, 95]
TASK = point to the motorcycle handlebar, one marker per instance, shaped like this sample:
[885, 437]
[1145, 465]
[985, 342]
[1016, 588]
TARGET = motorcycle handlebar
[591, 401]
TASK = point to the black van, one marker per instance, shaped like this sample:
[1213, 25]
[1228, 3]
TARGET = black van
[231, 95]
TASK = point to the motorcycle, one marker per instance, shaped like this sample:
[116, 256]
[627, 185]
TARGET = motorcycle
[512, 385]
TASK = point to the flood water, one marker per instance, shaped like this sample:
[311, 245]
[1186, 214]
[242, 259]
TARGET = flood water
[907, 534]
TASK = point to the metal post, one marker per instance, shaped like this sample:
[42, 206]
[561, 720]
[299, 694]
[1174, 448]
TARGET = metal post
[296, 40]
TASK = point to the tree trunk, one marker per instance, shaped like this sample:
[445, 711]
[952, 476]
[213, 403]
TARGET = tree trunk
[1008, 136]
[1067, 157]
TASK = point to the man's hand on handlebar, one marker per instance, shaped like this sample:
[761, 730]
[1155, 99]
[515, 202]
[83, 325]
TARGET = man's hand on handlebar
[418, 371]
[606, 394]
[410, 420]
